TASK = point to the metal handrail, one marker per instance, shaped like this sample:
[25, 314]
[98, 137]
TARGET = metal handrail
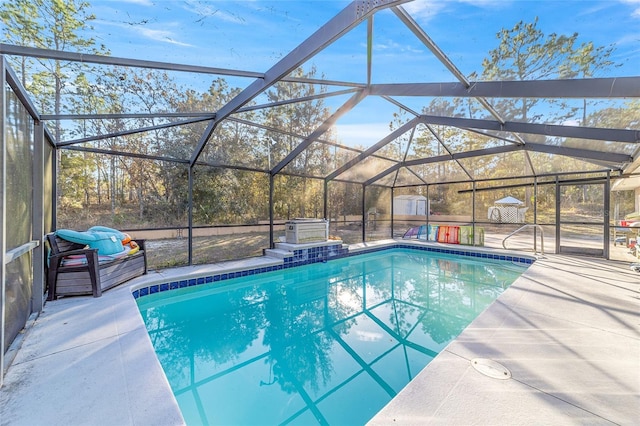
[535, 246]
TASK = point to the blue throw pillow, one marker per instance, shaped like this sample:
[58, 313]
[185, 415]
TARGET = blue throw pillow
[118, 234]
[107, 243]
[76, 236]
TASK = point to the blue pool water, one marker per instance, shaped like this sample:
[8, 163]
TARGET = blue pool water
[327, 343]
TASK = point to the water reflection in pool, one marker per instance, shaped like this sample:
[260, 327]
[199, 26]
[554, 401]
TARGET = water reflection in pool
[320, 344]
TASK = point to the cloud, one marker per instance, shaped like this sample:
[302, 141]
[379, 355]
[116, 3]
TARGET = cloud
[630, 38]
[485, 3]
[159, 35]
[139, 2]
[143, 30]
[575, 123]
[633, 36]
[424, 10]
[394, 47]
[206, 10]
[635, 4]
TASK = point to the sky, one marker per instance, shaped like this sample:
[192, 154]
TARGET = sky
[253, 35]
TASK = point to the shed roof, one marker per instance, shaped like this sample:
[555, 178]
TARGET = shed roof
[509, 200]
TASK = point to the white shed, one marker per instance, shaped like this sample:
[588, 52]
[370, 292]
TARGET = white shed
[507, 210]
[413, 205]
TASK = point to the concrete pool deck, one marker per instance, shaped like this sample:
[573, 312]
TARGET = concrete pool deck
[568, 331]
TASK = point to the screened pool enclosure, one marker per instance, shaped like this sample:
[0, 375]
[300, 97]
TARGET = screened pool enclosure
[207, 163]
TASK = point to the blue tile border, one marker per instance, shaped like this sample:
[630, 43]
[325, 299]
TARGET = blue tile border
[317, 255]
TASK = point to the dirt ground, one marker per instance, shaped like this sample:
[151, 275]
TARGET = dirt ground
[173, 252]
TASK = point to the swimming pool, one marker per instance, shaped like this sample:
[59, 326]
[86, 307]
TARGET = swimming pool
[326, 343]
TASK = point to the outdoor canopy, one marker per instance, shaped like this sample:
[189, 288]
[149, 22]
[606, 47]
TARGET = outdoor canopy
[468, 148]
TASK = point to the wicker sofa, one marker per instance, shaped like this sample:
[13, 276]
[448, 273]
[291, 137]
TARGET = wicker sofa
[95, 274]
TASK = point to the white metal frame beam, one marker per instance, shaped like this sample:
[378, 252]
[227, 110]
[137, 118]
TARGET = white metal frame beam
[586, 88]
[326, 125]
[584, 154]
[383, 142]
[347, 19]
[595, 133]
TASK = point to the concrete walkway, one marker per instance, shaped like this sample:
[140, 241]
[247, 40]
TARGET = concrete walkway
[567, 331]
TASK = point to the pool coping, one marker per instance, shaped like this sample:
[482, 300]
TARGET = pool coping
[97, 353]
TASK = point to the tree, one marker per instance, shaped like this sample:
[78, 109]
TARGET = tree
[291, 120]
[221, 194]
[146, 91]
[57, 25]
[21, 27]
[526, 53]
[586, 62]
[49, 24]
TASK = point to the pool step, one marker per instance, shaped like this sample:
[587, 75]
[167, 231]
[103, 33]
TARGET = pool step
[307, 252]
[278, 253]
